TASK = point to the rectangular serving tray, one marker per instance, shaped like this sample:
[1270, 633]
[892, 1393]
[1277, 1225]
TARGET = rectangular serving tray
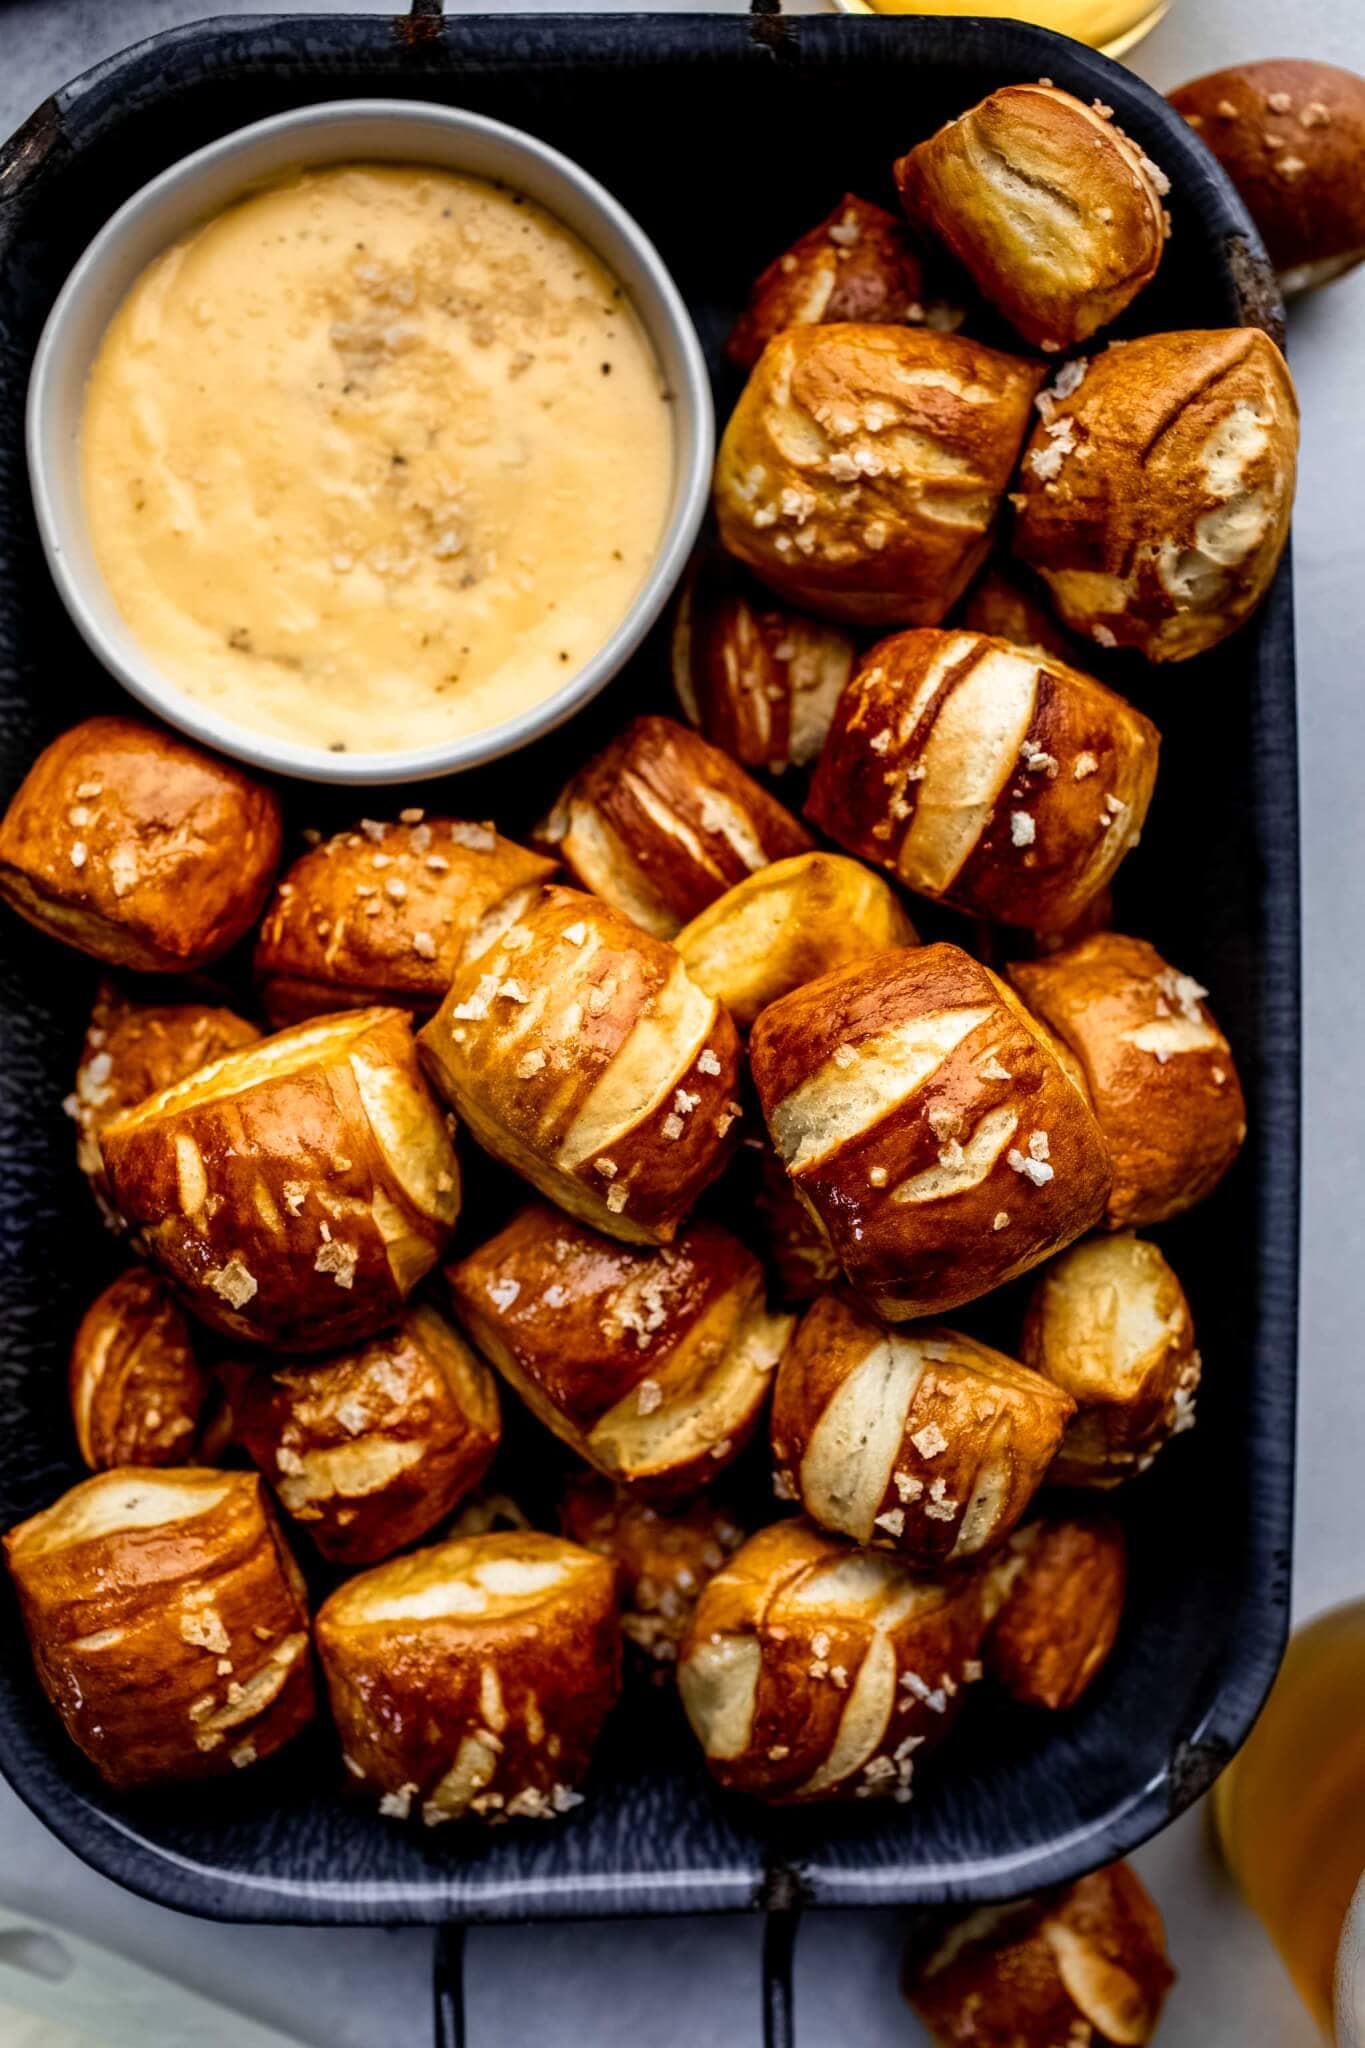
[726, 137]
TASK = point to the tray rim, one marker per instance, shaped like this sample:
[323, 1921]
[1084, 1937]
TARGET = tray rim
[113, 1844]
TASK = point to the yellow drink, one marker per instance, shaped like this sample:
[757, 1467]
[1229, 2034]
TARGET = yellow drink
[1290, 1809]
[1111, 25]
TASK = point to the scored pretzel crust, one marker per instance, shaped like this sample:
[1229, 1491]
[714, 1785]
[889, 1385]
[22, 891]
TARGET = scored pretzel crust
[1055, 213]
[580, 1053]
[856, 264]
[1088, 1963]
[137, 1390]
[168, 1622]
[663, 1558]
[759, 681]
[812, 1671]
[1108, 1322]
[1064, 1581]
[985, 775]
[296, 1192]
[1160, 1073]
[133, 1050]
[371, 1449]
[138, 848]
[939, 1133]
[863, 467]
[473, 1678]
[1155, 501]
[920, 1441]
[652, 1364]
[789, 924]
[381, 914]
[661, 823]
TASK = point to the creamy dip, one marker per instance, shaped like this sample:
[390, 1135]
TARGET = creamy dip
[376, 457]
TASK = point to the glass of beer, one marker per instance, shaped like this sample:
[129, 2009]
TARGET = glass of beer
[1290, 1815]
[1110, 25]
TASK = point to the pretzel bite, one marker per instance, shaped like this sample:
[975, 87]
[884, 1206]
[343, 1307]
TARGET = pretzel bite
[380, 915]
[372, 1448]
[919, 1441]
[661, 823]
[652, 1365]
[1159, 1071]
[662, 1559]
[759, 681]
[1056, 214]
[581, 1053]
[786, 925]
[137, 1391]
[1086, 1964]
[296, 1192]
[167, 1621]
[862, 469]
[473, 1677]
[857, 264]
[1063, 1583]
[1155, 501]
[940, 1134]
[138, 848]
[1005, 606]
[792, 1235]
[813, 1671]
[985, 776]
[133, 1050]
[1291, 136]
[1110, 1325]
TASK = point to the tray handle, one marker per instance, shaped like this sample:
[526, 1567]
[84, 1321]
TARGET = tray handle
[779, 1939]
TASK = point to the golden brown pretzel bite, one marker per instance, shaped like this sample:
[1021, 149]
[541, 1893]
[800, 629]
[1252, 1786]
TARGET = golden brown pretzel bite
[137, 1391]
[381, 914]
[580, 1053]
[940, 1134]
[652, 1364]
[920, 1440]
[371, 1449]
[661, 823]
[1108, 1322]
[862, 469]
[1056, 214]
[473, 1678]
[813, 1671]
[1160, 1072]
[1154, 499]
[167, 1621]
[296, 1192]
[1086, 1963]
[985, 776]
[856, 264]
[138, 848]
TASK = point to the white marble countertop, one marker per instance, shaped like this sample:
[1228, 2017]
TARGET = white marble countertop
[670, 1984]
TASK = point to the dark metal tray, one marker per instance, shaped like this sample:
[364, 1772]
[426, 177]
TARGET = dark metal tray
[726, 137]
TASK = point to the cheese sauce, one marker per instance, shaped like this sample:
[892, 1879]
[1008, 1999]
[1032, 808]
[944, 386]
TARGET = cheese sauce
[376, 457]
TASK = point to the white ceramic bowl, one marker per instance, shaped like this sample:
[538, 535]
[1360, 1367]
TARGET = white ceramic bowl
[198, 186]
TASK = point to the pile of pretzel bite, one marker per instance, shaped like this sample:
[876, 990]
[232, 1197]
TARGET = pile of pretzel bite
[681, 978]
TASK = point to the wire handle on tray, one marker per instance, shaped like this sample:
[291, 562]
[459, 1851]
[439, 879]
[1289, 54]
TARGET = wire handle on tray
[779, 1939]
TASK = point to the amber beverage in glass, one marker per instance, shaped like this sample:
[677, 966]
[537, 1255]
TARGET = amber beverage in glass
[1290, 1809]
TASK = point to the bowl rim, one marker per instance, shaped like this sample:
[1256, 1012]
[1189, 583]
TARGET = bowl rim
[692, 408]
